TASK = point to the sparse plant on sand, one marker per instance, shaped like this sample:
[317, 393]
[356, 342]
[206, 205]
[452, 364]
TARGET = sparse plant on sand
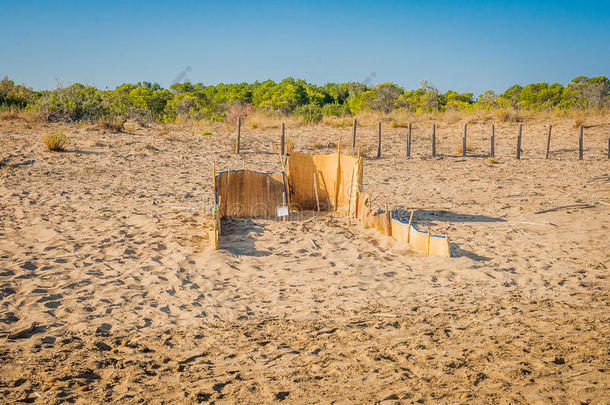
[206, 132]
[490, 160]
[56, 142]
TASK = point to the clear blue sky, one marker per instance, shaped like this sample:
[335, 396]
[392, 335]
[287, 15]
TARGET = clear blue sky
[464, 46]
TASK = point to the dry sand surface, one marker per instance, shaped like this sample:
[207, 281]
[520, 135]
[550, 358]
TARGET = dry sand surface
[109, 292]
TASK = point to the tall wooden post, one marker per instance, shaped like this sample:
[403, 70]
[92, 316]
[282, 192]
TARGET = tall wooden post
[493, 140]
[608, 148]
[282, 140]
[548, 141]
[580, 143]
[354, 133]
[379, 140]
[519, 141]
[238, 134]
[464, 140]
[433, 140]
[409, 142]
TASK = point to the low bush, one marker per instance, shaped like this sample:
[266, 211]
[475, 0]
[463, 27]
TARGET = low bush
[111, 123]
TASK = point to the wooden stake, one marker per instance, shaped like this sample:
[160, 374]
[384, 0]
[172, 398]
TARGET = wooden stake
[409, 230]
[464, 140]
[338, 178]
[282, 141]
[379, 140]
[433, 140]
[238, 134]
[548, 141]
[354, 133]
[351, 188]
[493, 140]
[409, 142]
[284, 202]
[315, 189]
[214, 181]
[388, 219]
[608, 148]
[226, 199]
[428, 244]
[519, 141]
[580, 143]
[286, 184]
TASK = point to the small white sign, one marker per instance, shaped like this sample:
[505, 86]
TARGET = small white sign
[282, 211]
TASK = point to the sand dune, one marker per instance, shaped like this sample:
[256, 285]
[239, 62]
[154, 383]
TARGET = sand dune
[109, 292]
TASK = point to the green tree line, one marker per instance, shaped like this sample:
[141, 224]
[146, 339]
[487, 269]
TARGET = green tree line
[149, 101]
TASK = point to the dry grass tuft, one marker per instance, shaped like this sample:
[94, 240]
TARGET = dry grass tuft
[451, 116]
[338, 122]
[10, 113]
[288, 144]
[398, 124]
[113, 124]
[507, 115]
[206, 132]
[14, 113]
[56, 142]
[264, 120]
[579, 120]
[130, 127]
[491, 161]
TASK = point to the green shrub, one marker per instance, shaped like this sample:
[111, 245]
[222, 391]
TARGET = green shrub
[145, 101]
[335, 110]
[310, 113]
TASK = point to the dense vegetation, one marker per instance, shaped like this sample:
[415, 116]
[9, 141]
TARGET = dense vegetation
[225, 102]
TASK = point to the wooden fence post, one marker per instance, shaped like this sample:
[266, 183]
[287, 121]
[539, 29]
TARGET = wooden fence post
[354, 133]
[493, 140]
[519, 141]
[580, 143]
[464, 140]
[282, 140]
[379, 140]
[238, 134]
[409, 142]
[608, 148]
[548, 141]
[433, 140]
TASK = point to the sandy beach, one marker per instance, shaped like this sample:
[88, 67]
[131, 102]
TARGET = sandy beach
[109, 291]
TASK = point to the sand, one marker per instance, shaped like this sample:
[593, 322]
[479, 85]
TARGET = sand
[110, 293]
